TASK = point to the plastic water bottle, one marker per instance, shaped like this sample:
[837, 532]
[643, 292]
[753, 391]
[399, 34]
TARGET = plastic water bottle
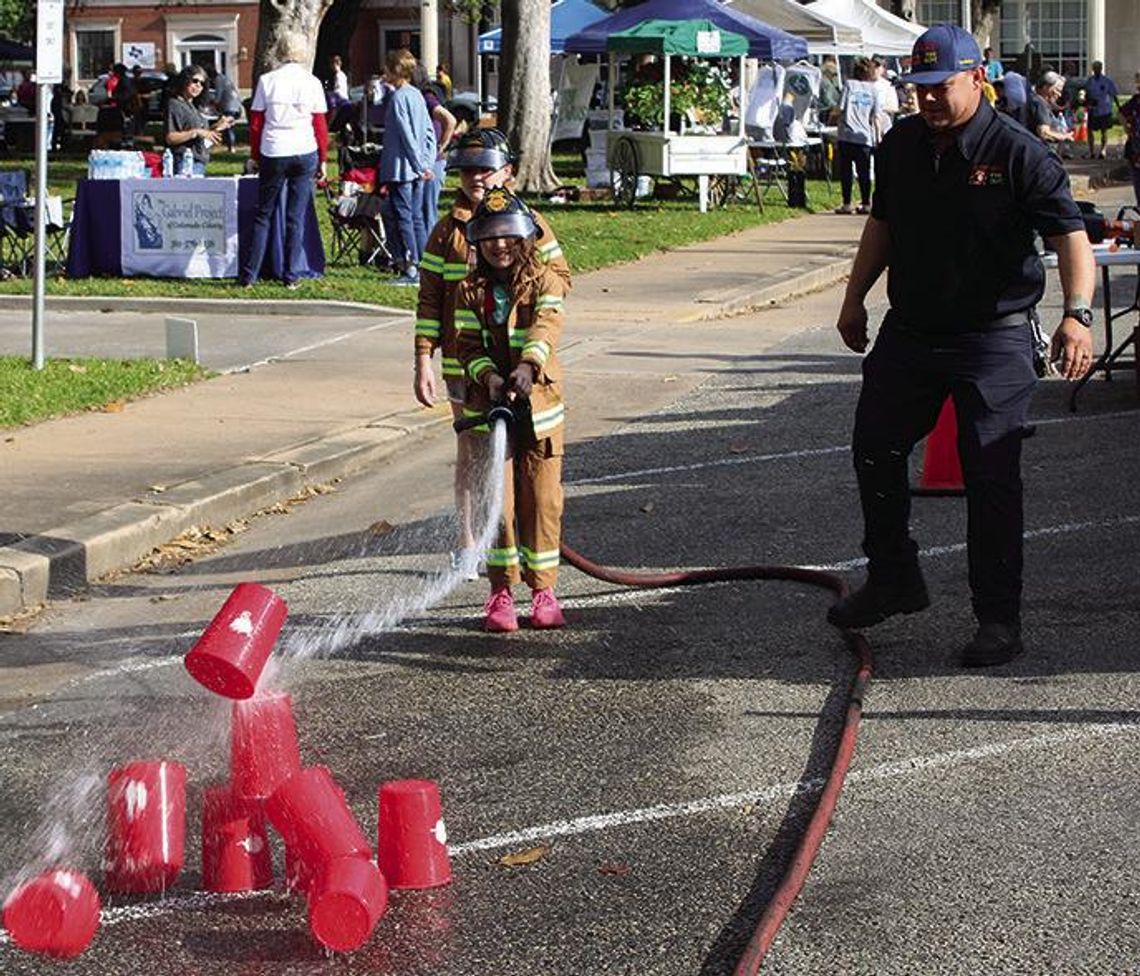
[167, 163]
[186, 163]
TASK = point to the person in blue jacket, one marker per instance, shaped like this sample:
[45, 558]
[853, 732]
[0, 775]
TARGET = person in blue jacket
[407, 163]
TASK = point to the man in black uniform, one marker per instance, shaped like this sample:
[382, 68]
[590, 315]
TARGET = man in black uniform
[959, 191]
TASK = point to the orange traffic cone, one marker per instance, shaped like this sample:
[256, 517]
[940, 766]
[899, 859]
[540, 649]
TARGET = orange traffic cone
[941, 467]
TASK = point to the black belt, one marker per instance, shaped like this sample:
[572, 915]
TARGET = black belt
[1014, 320]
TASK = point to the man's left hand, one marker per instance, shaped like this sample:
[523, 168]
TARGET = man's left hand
[1071, 349]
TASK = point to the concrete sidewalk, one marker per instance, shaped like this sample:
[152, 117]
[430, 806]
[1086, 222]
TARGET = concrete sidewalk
[308, 395]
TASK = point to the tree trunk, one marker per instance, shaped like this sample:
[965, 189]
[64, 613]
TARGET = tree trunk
[276, 17]
[524, 91]
[336, 34]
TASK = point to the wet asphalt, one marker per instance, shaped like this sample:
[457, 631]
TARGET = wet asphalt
[660, 756]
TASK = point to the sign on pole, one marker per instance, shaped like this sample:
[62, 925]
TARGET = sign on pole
[49, 71]
[49, 42]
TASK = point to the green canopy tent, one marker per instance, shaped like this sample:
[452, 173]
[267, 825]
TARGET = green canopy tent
[693, 38]
[665, 153]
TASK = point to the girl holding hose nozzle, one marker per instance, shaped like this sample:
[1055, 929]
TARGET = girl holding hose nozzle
[508, 317]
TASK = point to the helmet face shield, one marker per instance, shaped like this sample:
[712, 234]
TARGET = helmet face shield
[492, 226]
[477, 157]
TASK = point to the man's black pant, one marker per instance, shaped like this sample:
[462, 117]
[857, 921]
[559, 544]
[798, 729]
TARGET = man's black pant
[906, 377]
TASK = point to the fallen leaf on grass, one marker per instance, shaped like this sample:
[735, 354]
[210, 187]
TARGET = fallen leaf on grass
[115, 406]
[77, 368]
[529, 856]
[614, 867]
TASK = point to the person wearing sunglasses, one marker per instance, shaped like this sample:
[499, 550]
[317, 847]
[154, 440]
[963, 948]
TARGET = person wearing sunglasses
[185, 125]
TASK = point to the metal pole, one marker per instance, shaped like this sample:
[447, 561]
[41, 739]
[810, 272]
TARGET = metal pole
[967, 15]
[43, 100]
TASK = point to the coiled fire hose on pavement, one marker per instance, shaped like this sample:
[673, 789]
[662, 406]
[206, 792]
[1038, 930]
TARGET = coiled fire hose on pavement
[793, 881]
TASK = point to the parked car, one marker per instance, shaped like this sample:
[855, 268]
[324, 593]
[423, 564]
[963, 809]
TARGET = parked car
[151, 84]
[465, 106]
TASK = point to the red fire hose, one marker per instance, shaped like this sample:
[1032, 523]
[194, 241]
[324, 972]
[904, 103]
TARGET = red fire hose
[793, 880]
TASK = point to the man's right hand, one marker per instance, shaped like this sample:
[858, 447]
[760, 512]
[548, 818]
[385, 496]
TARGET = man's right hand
[852, 325]
[424, 384]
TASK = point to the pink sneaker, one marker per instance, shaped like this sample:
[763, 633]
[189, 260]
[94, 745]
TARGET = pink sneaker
[545, 611]
[500, 612]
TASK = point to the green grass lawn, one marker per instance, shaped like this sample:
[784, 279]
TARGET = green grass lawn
[70, 385]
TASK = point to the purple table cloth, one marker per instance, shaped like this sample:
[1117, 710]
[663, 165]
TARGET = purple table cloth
[95, 237]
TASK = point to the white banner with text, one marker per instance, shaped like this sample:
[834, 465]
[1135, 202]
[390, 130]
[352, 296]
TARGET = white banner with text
[179, 228]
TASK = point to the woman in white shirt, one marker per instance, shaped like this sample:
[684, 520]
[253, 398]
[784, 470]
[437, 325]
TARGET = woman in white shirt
[288, 140]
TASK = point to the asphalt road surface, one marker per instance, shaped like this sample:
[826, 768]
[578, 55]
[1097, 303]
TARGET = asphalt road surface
[660, 756]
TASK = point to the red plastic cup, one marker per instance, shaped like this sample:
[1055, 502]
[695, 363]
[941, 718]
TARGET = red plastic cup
[235, 847]
[411, 840]
[55, 913]
[310, 812]
[263, 744]
[298, 878]
[230, 654]
[346, 902]
[146, 826]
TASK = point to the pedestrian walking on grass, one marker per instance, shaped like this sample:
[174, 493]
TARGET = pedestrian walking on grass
[960, 191]
[860, 115]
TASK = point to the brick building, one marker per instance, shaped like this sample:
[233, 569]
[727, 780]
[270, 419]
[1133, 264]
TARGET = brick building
[224, 33]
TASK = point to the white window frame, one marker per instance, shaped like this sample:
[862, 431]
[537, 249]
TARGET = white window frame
[84, 26]
[181, 26]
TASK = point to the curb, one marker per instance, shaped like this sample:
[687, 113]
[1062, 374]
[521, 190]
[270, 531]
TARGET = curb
[181, 306]
[63, 561]
[790, 284]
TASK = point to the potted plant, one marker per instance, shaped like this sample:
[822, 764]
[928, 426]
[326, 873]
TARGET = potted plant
[698, 94]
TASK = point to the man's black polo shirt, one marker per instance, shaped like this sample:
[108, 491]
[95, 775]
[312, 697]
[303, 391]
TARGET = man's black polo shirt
[961, 226]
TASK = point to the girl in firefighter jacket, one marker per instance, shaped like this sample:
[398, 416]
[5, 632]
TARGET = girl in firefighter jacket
[508, 318]
[484, 159]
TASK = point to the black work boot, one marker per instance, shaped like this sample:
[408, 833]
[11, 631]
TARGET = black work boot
[875, 601]
[993, 644]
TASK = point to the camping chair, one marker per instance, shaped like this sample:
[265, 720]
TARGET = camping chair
[18, 227]
[769, 163]
[357, 225]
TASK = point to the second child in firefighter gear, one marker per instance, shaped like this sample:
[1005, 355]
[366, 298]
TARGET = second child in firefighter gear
[484, 160]
[508, 318]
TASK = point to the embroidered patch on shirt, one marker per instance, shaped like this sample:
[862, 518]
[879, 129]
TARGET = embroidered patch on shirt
[986, 175]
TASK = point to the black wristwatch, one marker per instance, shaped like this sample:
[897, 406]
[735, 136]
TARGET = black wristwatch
[1082, 314]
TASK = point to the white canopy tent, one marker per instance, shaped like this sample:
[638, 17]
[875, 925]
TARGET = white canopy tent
[824, 34]
[882, 31]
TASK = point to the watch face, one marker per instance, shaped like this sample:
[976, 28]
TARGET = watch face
[1082, 315]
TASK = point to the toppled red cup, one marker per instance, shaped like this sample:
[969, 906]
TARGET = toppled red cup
[235, 847]
[310, 812]
[411, 839]
[146, 826]
[346, 901]
[55, 913]
[263, 744]
[231, 653]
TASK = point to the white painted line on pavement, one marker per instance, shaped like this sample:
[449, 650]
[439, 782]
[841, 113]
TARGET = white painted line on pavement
[807, 452]
[386, 324]
[725, 801]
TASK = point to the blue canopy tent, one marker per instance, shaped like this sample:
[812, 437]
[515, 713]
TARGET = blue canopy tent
[764, 41]
[566, 17]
